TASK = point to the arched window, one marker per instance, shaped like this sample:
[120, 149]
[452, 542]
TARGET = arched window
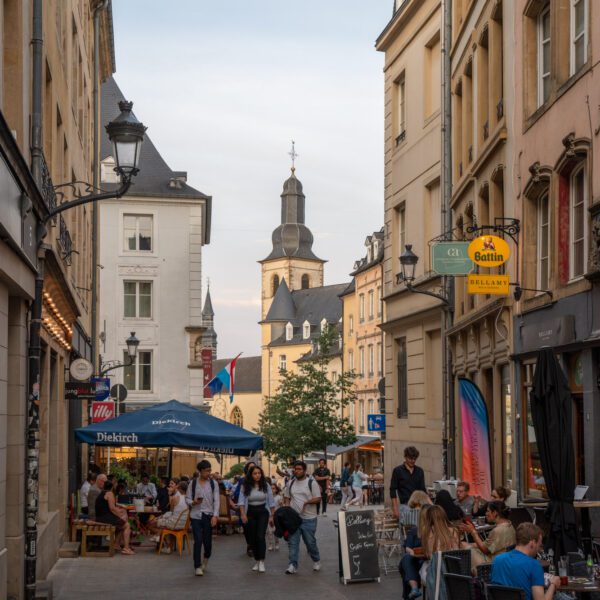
[274, 284]
[305, 281]
[236, 417]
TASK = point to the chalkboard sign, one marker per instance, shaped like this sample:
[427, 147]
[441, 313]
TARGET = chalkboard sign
[359, 556]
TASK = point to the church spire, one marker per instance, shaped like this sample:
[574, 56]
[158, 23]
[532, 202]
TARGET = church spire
[209, 337]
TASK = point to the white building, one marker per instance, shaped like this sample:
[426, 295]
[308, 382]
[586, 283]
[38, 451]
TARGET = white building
[151, 275]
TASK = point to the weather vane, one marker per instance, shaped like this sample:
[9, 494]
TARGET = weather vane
[294, 155]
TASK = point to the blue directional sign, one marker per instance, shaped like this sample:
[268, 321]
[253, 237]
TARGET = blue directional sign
[376, 422]
[102, 387]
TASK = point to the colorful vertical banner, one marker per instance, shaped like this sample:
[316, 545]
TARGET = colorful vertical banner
[476, 455]
[207, 367]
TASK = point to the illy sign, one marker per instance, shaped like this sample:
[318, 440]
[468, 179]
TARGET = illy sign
[102, 411]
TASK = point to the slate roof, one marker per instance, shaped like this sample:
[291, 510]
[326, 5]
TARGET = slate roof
[350, 288]
[248, 373]
[155, 176]
[282, 307]
[208, 311]
[364, 263]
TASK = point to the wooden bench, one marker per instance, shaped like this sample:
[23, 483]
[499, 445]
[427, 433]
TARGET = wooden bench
[93, 529]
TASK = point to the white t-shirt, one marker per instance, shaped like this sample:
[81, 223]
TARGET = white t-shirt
[83, 492]
[300, 493]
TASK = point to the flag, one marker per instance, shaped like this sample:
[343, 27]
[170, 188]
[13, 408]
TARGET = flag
[224, 378]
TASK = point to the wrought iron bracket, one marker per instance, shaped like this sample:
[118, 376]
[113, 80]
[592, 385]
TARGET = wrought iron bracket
[519, 291]
[111, 365]
[506, 225]
[409, 286]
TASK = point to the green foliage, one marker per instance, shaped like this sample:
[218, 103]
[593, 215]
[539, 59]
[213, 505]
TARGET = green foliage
[121, 472]
[237, 469]
[305, 413]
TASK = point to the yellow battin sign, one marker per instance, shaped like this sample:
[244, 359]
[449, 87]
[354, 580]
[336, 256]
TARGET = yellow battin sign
[488, 284]
[488, 251]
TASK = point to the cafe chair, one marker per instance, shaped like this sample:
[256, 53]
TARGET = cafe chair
[484, 572]
[464, 556]
[459, 587]
[181, 536]
[452, 564]
[502, 592]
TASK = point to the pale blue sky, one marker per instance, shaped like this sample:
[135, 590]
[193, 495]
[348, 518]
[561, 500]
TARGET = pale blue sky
[223, 87]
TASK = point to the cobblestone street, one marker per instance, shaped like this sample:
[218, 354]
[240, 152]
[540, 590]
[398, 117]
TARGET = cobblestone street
[229, 575]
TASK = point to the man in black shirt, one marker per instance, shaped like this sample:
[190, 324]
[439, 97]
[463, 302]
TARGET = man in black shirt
[322, 476]
[406, 479]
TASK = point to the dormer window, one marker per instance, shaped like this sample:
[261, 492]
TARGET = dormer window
[305, 330]
[323, 325]
[107, 171]
[289, 332]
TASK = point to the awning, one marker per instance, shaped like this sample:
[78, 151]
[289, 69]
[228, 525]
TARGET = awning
[363, 442]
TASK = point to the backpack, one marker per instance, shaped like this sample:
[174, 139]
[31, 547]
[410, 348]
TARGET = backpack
[194, 483]
[310, 482]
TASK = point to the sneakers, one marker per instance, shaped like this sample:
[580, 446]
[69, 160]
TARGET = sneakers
[270, 548]
[261, 566]
[276, 546]
[255, 567]
[199, 572]
[324, 514]
[316, 566]
[291, 569]
[415, 593]
[204, 564]
[166, 550]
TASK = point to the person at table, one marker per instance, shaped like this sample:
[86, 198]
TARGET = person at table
[519, 567]
[163, 494]
[410, 513]
[175, 516]
[413, 558]
[406, 479]
[499, 494]
[502, 537]
[122, 493]
[146, 489]
[93, 494]
[444, 500]
[463, 499]
[437, 534]
[203, 498]
[83, 492]
[108, 512]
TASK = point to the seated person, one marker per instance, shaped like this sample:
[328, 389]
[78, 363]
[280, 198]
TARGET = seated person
[500, 538]
[409, 513]
[162, 494]
[519, 567]
[175, 518]
[108, 512]
[499, 493]
[146, 489]
[122, 493]
[453, 512]
[463, 499]
[93, 494]
[411, 564]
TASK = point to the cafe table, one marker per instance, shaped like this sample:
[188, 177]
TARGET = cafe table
[582, 586]
[134, 513]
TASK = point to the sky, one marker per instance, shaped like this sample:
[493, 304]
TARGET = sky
[223, 88]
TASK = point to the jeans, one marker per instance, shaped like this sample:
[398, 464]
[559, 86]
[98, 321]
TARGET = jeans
[307, 530]
[202, 530]
[258, 519]
[345, 495]
[409, 570]
[323, 504]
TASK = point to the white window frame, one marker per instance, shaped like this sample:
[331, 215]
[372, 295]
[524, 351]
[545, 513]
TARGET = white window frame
[305, 330]
[282, 362]
[351, 360]
[136, 250]
[584, 240]
[572, 39]
[361, 308]
[379, 365]
[289, 332]
[371, 304]
[351, 325]
[379, 301]
[401, 108]
[371, 360]
[352, 415]
[541, 74]
[323, 325]
[540, 233]
[361, 414]
[371, 409]
[361, 360]
[137, 300]
[136, 366]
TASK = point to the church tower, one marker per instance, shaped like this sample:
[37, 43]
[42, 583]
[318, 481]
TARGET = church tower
[209, 337]
[292, 257]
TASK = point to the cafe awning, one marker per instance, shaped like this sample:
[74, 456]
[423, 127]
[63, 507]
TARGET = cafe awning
[363, 442]
[172, 424]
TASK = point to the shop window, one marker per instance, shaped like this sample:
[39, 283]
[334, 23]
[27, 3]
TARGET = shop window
[534, 483]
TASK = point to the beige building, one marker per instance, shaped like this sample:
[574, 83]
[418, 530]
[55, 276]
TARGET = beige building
[413, 322]
[66, 155]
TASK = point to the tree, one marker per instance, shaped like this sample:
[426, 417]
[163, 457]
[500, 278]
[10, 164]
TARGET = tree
[305, 414]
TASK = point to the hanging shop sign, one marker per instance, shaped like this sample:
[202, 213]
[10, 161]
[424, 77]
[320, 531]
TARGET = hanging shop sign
[451, 258]
[102, 411]
[81, 369]
[497, 285]
[489, 251]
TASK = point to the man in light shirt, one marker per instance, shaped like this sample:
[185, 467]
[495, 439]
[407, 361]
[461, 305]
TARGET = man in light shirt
[83, 492]
[94, 492]
[146, 489]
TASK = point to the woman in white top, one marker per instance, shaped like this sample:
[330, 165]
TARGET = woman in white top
[175, 518]
[358, 480]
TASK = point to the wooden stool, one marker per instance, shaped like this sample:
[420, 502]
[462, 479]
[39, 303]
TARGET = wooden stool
[98, 530]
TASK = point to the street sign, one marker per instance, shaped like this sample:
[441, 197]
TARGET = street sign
[118, 391]
[102, 387]
[451, 258]
[489, 251]
[81, 369]
[102, 411]
[82, 390]
[497, 285]
[376, 422]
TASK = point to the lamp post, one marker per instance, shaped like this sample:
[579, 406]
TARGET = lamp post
[408, 262]
[132, 345]
[127, 135]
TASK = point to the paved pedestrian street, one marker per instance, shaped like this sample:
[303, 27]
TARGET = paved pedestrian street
[229, 575]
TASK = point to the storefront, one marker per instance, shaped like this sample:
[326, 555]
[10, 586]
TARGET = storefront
[571, 327]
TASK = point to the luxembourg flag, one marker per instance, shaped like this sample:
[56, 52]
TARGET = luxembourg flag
[224, 378]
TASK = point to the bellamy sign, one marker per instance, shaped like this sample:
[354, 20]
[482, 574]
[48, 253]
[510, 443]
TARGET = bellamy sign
[451, 258]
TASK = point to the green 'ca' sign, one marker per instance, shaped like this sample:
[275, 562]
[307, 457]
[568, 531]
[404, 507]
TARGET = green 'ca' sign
[451, 258]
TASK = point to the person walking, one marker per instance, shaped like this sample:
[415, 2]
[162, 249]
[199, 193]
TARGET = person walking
[406, 479]
[359, 479]
[278, 501]
[345, 485]
[322, 476]
[234, 500]
[256, 505]
[202, 497]
[303, 494]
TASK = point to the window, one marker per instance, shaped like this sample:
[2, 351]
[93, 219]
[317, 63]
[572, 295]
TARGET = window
[352, 416]
[371, 360]
[579, 28]
[137, 230]
[578, 222]
[289, 332]
[400, 109]
[543, 55]
[432, 75]
[282, 362]
[334, 376]
[137, 299]
[274, 284]
[361, 308]
[350, 360]
[361, 361]
[371, 304]
[371, 407]
[350, 325]
[402, 374]
[138, 376]
[323, 325]
[107, 171]
[400, 227]
[379, 301]
[237, 418]
[305, 281]
[543, 241]
[361, 415]
[379, 359]
[306, 330]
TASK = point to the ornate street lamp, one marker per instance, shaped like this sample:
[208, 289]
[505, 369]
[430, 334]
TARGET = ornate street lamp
[408, 262]
[132, 344]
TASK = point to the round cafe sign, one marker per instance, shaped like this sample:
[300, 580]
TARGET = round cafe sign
[81, 369]
[488, 251]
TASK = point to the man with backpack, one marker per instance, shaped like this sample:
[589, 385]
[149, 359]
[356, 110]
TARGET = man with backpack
[203, 499]
[303, 494]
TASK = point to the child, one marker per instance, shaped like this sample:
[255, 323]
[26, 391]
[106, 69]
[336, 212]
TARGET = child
[272, 540]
